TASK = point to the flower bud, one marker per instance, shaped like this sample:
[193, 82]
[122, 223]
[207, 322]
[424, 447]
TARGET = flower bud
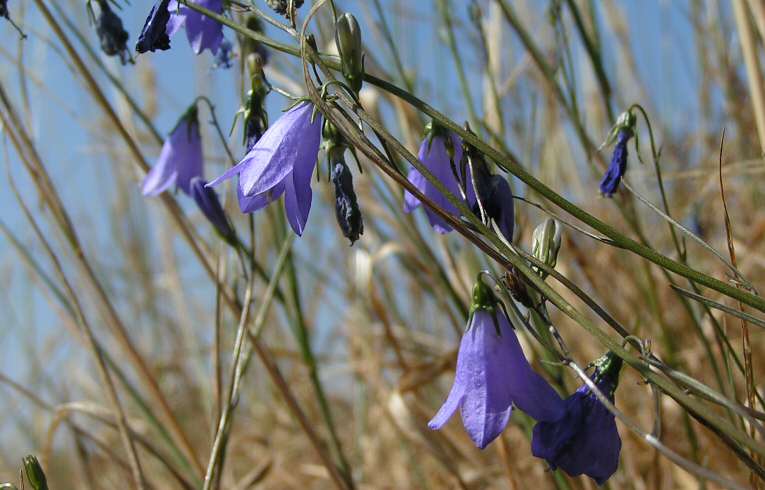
[348, 41]
[545, 243]
[35, 473]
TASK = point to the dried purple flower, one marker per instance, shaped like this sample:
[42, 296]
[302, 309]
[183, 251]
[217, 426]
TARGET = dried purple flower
[492, 375]
[585, 439]
[4, 8]
[346, 206]
[618, 165]
[111, 33]
[281, 162]
[202, 31]
[496, 197]
[180, 159]
[441, 153]
[154, 33]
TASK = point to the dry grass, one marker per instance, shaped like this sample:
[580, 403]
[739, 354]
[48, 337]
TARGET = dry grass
[381, 319]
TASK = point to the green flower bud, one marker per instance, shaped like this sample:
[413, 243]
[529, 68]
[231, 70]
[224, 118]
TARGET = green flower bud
[348, 41]
[545, 243]
[35, 473]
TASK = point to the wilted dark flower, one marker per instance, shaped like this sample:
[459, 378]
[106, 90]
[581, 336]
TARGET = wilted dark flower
[4, 8]
[618, 165]
[154, 33]
[346, 207]
[281, 6]
[441, 153]
[180, 159]
[208, 202]
[202, 31]
[492, 375]
[495, 196]
[585, 439]
[111, 33]
[281, 162]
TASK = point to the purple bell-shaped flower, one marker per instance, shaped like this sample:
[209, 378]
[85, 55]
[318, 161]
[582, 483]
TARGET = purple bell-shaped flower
[180, 160]
[584, 441]
[441, 153]
[281, 163]
[493, 375]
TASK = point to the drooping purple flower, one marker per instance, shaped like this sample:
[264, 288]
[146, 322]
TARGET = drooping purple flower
[618, 165]
[492, 375]
[111, 33]
[4, 8]
[281, 162]
[202, 31]
[441, 153]
[585, 439]
[154, 33]
[208, 202]
[180, 159]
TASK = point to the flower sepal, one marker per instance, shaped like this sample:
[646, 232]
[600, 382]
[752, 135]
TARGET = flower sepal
[625, 122]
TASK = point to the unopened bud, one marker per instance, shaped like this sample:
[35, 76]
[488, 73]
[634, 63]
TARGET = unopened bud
[348, 41]
[35, 473]
[545, 243]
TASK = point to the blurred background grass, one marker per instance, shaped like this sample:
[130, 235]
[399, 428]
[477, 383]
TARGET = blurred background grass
[385, 315]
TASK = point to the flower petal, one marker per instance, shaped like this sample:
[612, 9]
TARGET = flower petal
[202, 31]
[297, 203]
[292, 141]
[528, 390]
[418, 180]
[187, 143]
[235, 170]
[177, 17]
[456, 394]
[487, 406]
[250, 204]
[595, 449]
